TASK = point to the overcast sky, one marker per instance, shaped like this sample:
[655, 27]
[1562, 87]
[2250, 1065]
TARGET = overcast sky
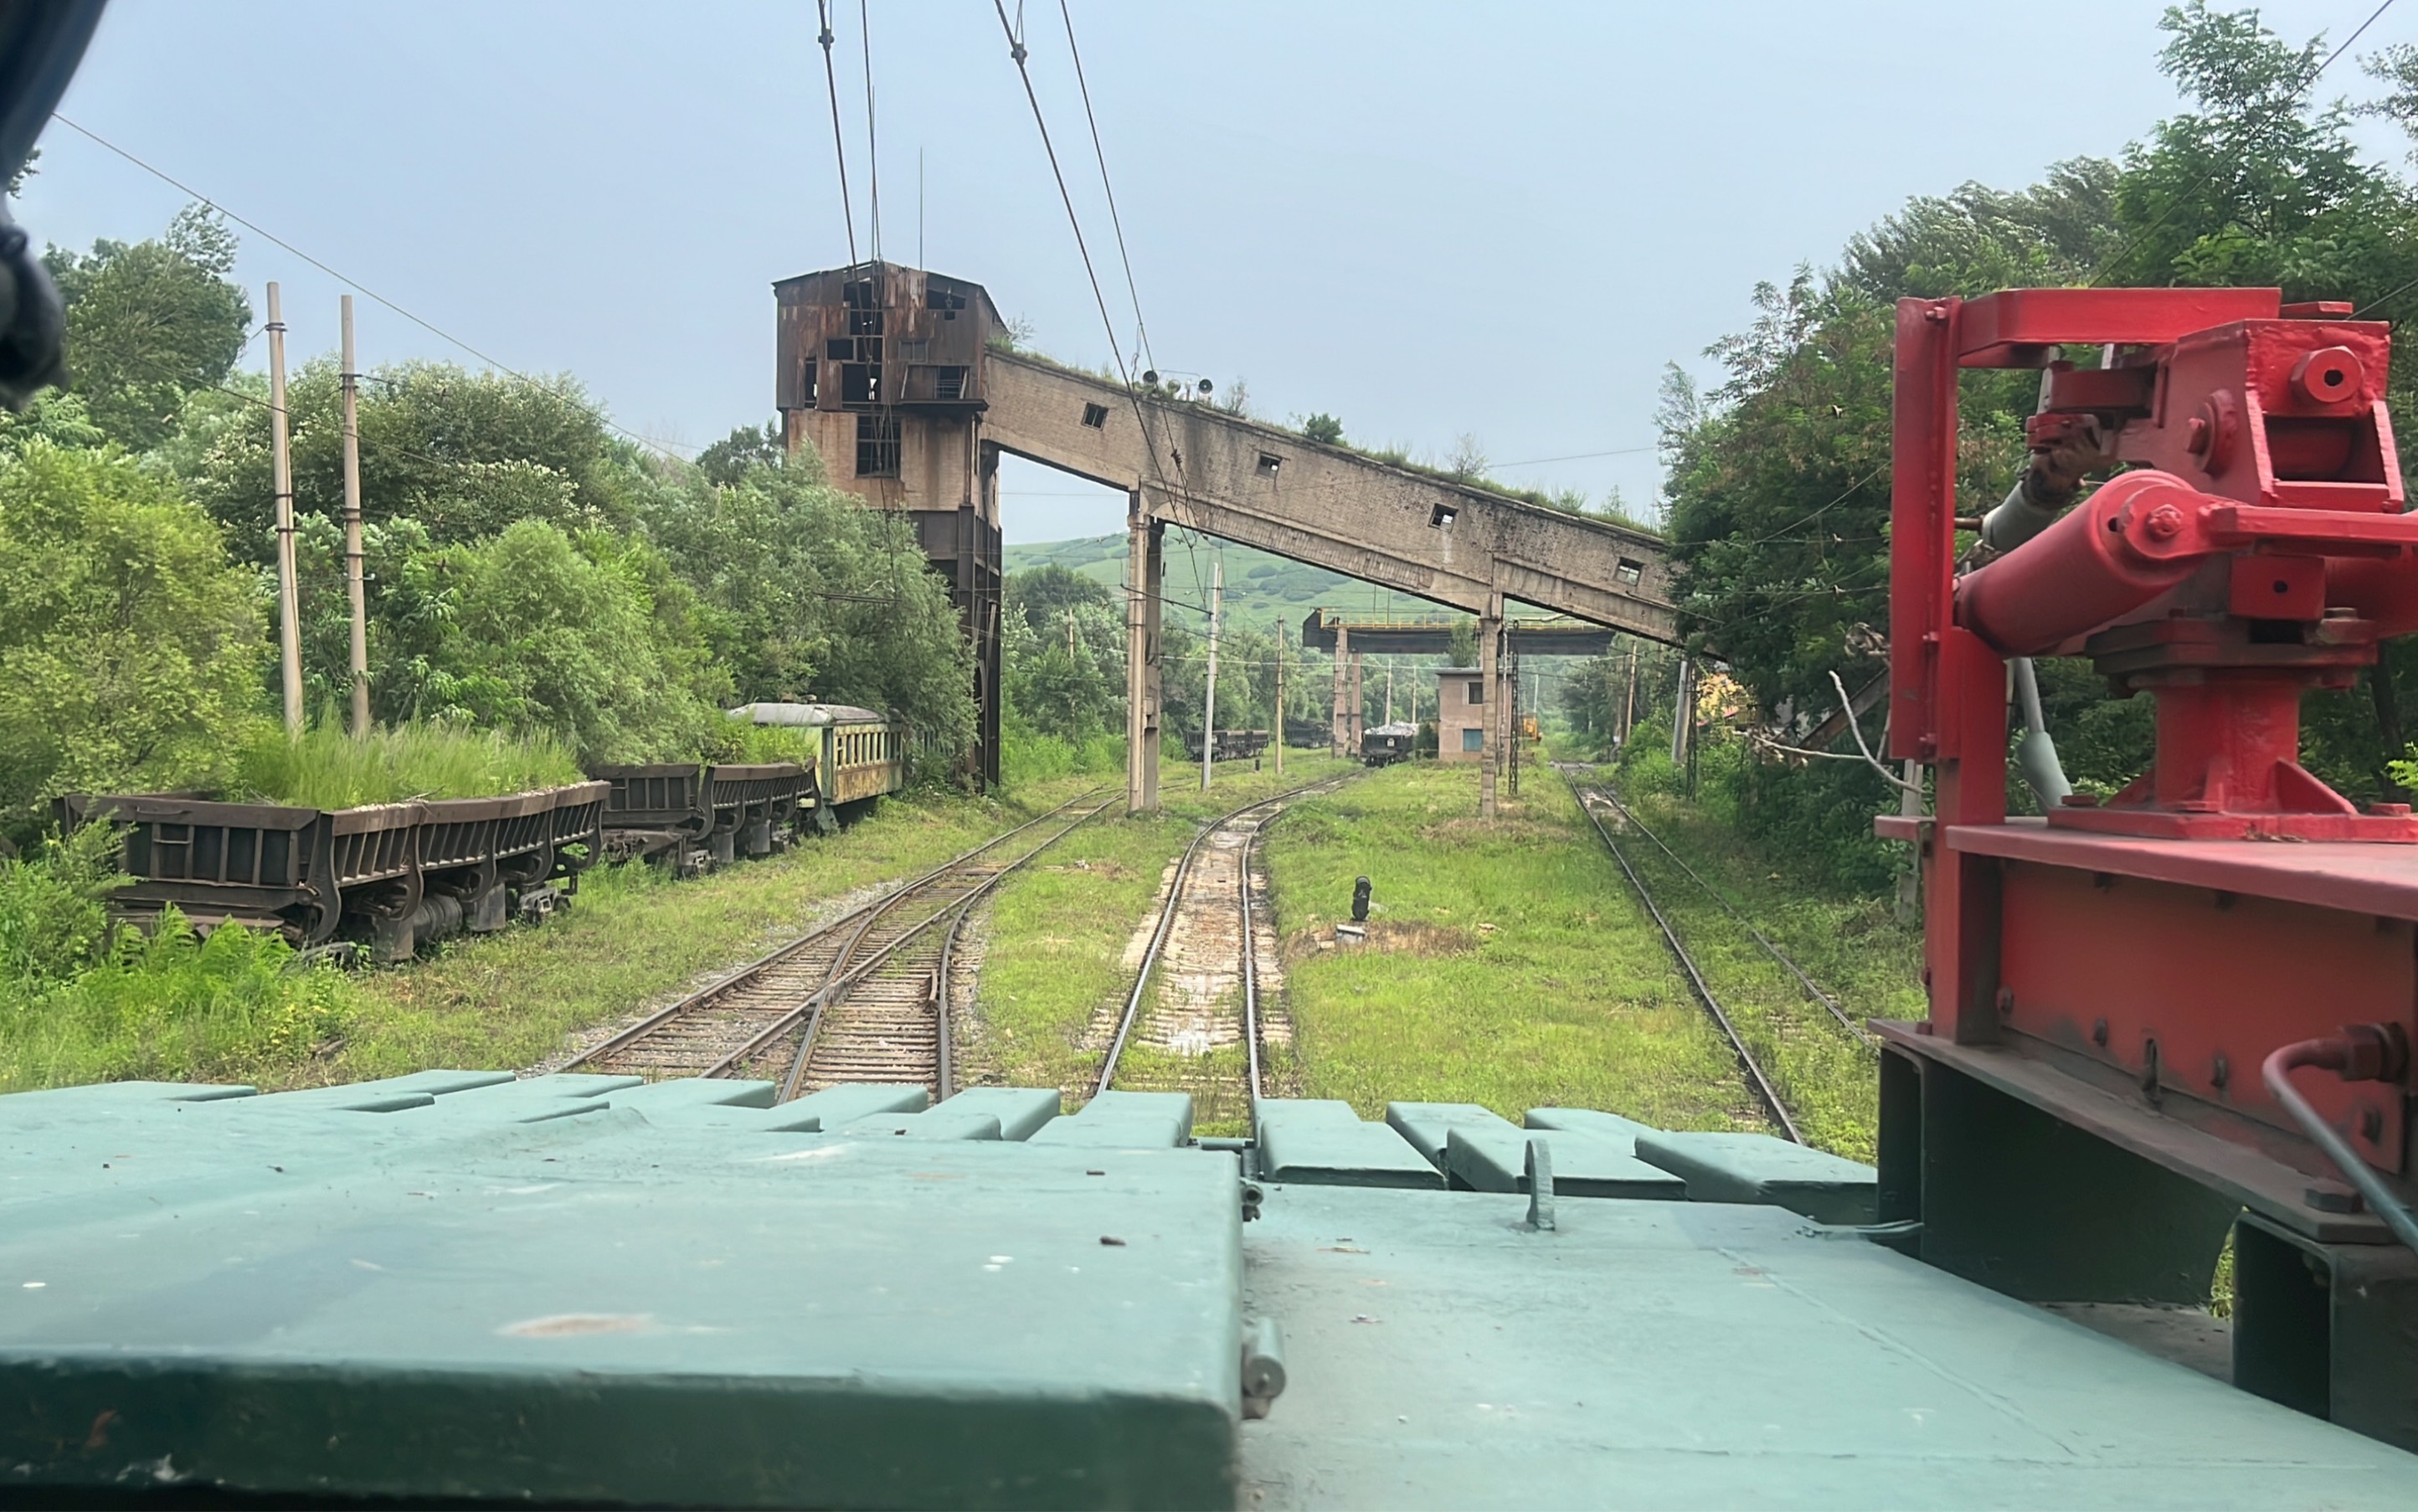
[1427, 220]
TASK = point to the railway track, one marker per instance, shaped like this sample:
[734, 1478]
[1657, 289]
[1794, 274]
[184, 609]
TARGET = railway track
[1758, 1081]
[865, 997]
[1195, 997]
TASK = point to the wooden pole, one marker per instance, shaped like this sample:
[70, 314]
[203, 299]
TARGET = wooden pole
[353, 589]
[1209, 695]
[289, 625]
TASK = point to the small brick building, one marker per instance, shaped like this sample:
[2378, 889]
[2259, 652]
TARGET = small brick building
[1461, 713]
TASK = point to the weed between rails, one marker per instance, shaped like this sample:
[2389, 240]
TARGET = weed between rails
[1060, 949]
[1511, 966]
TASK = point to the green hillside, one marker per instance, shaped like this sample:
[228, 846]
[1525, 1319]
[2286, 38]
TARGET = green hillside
[1261, 587]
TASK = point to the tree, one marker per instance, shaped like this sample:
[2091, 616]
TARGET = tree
[1324, 429]
[728, 461]
[131, 648]
[463, 453]
[593, 640]
[1065, 655]
[2259, 184]
[150, 323]
[810, 595]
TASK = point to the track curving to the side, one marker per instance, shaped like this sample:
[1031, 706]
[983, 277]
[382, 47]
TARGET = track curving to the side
[865, 997]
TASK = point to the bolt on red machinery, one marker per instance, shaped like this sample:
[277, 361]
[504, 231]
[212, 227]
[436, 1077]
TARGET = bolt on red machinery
[2084, 1117]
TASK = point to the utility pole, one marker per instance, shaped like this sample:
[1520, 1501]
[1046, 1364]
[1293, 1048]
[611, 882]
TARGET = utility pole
[1683, 714]
[353, 589]
[1629, 704]
[289, 623]
[1389, 689]
[1278, 721]
[1209, 697]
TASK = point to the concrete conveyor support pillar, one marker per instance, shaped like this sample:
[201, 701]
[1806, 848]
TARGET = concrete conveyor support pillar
[1145, 585]
[1358, 711]
[1490, 662]
[1340, 736]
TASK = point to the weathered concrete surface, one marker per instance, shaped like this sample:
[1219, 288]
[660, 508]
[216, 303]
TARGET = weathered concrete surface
[1332, 508]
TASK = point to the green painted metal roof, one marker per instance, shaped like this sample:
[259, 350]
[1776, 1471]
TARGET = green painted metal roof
[283, 1295]
[1756, 1168]
[1686, 1354]
[575, 1289]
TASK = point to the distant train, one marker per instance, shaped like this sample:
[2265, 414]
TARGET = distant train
[1381, 745]
[386, 878]
[862, 754]
[1232, 745]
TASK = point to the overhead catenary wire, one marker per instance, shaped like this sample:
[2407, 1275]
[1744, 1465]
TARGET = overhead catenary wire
[360, 288]
[1116, 223]
[872, 146]
[839, 139]
[1016, 51]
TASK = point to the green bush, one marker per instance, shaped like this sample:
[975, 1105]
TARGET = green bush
[174, 1007]
[592, 640]
[330, 769]
[131, 649]
[51, 922]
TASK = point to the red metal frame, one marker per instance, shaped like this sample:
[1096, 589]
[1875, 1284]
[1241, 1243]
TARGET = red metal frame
[2258, 549]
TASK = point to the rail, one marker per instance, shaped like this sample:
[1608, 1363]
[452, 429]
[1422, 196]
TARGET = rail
[1761, 1084]
[1166, 925]
[1829, 1004]
[762, 1001]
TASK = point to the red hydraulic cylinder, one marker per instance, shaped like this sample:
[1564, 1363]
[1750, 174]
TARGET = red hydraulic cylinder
[2131, 541]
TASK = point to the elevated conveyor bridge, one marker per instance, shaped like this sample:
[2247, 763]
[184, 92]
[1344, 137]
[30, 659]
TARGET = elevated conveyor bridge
[895, 376]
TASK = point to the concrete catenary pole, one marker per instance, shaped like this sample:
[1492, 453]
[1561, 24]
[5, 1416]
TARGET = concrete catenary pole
[281, 465]
[1277, 715]
[1145, 596]
[1209, 693]
[1683, 713]
[1341, 732]
[1490, 761]
[353, 590]
[1629, 702]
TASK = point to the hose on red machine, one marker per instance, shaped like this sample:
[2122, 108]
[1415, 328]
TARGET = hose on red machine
[2361, 1052]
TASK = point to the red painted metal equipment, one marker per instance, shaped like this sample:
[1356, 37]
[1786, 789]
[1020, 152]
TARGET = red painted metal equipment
[2083, 1117]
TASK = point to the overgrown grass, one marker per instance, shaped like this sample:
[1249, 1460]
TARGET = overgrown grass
[328, 768]
[1848, 943]
[1509, 964]
[1058, 932]
[77, 1005]
[238, 1006]
[1031, 756]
